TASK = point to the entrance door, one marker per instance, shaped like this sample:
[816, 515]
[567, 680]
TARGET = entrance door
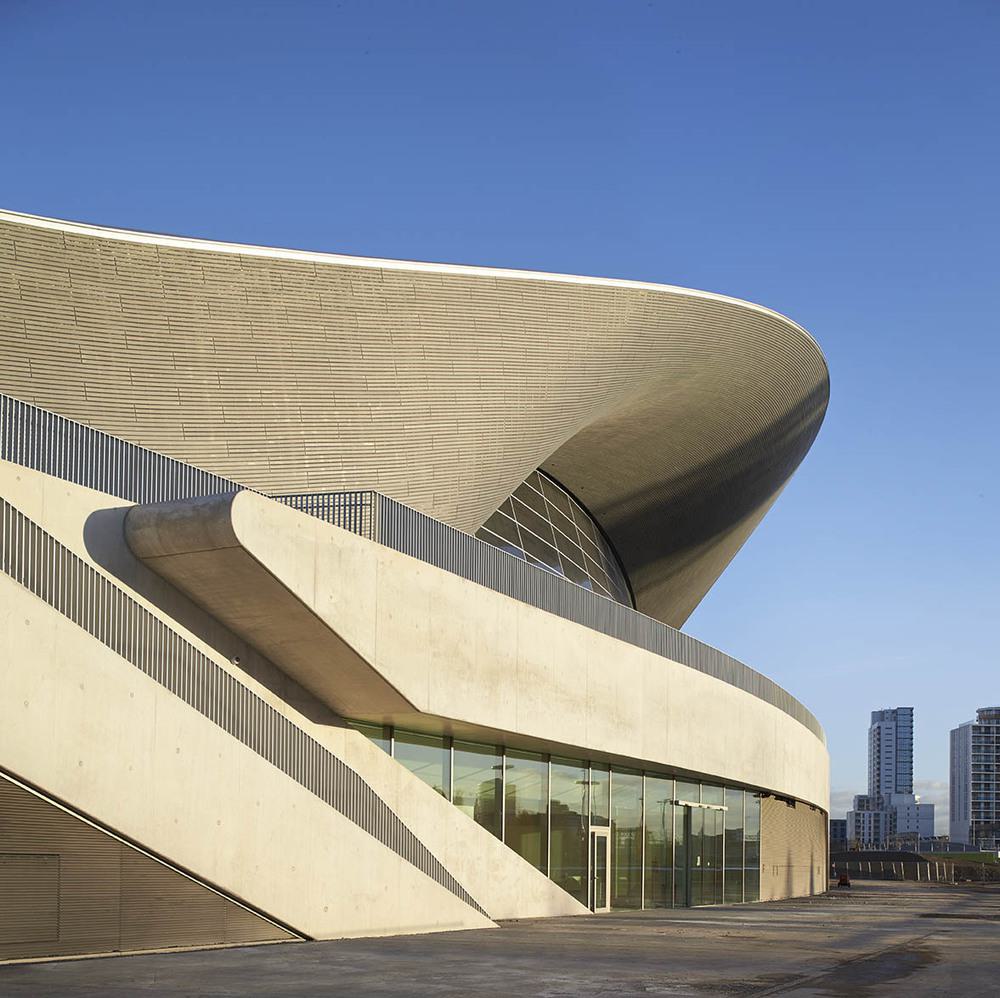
[705, 827]
[600, 869]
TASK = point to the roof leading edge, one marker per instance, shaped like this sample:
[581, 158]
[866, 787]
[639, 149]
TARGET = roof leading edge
[384, 263]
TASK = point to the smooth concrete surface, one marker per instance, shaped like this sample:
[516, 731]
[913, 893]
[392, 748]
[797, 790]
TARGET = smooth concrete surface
[675, 416]
[472, 661]
[874, 940]
[93, 731]
[156, 771]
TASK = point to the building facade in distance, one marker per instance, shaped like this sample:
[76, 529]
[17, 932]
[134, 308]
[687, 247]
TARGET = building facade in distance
[838, 834]
[890, 752]
[890, 813]
[343, 596]
[974, 792]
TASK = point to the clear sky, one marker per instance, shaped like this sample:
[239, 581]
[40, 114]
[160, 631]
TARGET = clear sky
[837, 162]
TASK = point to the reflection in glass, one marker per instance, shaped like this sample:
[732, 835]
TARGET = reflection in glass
[682, 883]
[711, 869]
[711, 794]
[696, 845]
[526, 807]
[659, 887]
[704, 851]
[733, 890]
[379, 734]
[660, 852]
[600, 795]
[751, 848]
[477, 783]
[426, 756]
[570, 827]
[626, 840]
[688, 792]
[600, 860]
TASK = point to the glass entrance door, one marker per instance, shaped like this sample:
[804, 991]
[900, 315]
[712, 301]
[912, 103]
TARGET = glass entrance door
[702, 855]
[600, 869]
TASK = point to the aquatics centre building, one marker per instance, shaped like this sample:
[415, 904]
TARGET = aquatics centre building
[342, 596]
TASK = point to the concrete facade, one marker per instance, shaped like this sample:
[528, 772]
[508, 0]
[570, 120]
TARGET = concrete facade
[253, 697]
[446, 656]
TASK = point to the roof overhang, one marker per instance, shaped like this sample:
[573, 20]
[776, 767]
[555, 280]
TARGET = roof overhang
[675, 416]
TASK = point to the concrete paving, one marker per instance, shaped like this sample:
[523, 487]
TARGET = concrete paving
[875, 939]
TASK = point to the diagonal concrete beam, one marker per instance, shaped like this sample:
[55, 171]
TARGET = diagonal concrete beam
[203, 547]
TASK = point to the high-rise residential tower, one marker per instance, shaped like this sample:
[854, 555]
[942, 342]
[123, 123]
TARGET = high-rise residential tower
[890, 814]
[974, 816]
[890, 752]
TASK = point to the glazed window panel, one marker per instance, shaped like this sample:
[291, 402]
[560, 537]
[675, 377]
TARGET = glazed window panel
[600, 795]
[574, 573]
[426, 756]
[543, 552]
[751, 848]
[659, 826]
[478, 783]
[584, 524]
[534, 521]
[711, 794]
[690, 792]
[681, 855]
[504, 528]
[734, 846]
[555, 532]
[378, 734]
[570, 826]
[561, 501]
[626, 839]
[499, 542]
[526, 805]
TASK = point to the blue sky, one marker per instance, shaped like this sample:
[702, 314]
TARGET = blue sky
[837, 162]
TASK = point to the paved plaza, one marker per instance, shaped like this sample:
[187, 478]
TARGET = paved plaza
[875, 939]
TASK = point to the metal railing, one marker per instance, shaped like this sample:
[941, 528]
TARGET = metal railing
[877, 869]
[62, 447]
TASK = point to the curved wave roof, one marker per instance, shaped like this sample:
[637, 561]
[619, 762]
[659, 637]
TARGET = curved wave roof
[675, 416]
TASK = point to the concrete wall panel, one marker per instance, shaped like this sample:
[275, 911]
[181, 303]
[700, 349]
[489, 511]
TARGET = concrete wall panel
[166, 784]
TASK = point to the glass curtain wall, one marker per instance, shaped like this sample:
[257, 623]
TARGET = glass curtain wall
[751, 848]
[626, 839]
[478, 783]
[569, 822]
[526, 807]
[712, 844]
[733, 883]
[659, 883]
[600, 795]
[667, 847]
[426, 756]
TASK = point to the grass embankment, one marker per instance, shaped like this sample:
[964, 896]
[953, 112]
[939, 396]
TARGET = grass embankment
[962, 857]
